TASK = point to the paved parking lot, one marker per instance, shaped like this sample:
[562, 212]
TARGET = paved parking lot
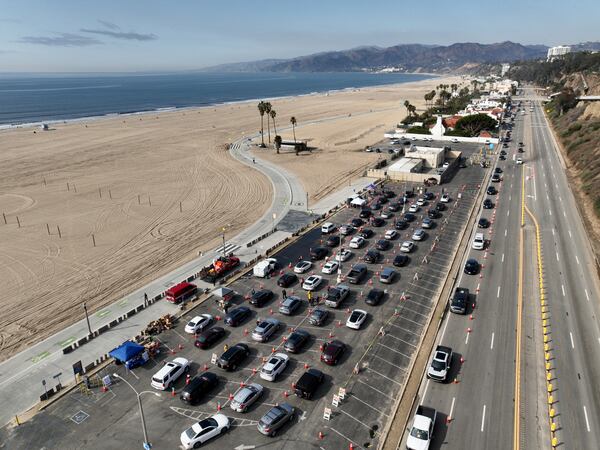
[381, 350]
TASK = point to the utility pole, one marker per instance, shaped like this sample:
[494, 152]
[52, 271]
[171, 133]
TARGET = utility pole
[87, 318]
[223, 230]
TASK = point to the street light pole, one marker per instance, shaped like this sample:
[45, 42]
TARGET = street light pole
[138, 395]
[87, 317]
[223, 229]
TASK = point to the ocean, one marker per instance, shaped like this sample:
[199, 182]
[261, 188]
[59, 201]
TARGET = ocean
[31, 99]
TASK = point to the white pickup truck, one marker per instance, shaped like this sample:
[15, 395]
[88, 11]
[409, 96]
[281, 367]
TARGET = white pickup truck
[421, 431]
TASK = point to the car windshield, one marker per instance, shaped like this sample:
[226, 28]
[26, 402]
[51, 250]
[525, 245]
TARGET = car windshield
[355, 316]
[438, 365]
[419, 434]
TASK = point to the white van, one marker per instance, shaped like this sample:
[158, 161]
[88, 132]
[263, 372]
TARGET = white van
[478, 241]
[327, 228]
[264, 267]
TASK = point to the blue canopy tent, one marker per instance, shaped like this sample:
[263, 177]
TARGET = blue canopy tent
[130, 353]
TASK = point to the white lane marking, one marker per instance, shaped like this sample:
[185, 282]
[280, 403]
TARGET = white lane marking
[508, 212]
[577, 259]
[562, 286]
[426, 387]
[557, 258]
[572, 343]
[452, 407]
[492, 343]
[570, 235]
[587, 422]
[564, 214]
[587, 295]
[509, 198]
[444, 330]
[560, 198]
[498, 293]
[502, 257]
[505, 232]
[483, 419]
[547, 197]
[467, 339]
[549, 210]
[553, 232]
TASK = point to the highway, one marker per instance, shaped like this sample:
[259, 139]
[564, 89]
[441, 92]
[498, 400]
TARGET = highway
[476, 408]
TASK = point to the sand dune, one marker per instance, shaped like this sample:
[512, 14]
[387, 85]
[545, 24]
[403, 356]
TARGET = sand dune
[122, 182]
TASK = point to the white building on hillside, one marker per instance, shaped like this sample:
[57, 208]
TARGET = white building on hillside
[557, 52]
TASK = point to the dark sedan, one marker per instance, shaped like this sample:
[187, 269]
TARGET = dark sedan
[296, 340]
[318, 253]
[374, 297]
[356, 223]
[365, 213]
[401, 224]
[409, 217]
[207, 338]
[377, 222]
[332, 352]
[237, 316]
[491, 190]
[332, 241]
[433, 214]
[471, 267]
[383, 244]
[483, 223]
[366, 233]
[259, 298]
[440, 207]
[372, 256]
[488, 204]
[287, 279]
[401, 260]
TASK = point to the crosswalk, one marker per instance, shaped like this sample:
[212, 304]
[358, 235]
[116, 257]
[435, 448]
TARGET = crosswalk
[236, 146]
[229, 248]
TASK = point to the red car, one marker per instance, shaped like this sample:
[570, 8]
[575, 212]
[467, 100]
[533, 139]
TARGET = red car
[332, 352]
[207, 338]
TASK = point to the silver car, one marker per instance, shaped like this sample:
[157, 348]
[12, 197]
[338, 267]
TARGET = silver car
[245, 397]
[275, 418]
[418, 235]
[265, 329]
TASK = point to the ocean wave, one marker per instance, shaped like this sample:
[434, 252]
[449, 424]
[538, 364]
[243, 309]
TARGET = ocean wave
[73, 88]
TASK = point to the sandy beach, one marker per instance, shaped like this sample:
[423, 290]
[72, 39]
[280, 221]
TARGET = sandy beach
[154, 190]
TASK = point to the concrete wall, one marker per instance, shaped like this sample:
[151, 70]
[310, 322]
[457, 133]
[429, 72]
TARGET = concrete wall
[477, 140]
[402, 176]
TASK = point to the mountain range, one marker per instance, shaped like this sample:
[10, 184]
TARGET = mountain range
[405, 57]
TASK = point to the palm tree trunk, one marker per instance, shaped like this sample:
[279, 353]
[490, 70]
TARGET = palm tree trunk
[268, 128]
[274, 127]
[262, 130]
[294, 131]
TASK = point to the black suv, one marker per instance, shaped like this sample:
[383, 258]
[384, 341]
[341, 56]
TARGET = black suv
[458, 304]
[318, 253]
[287, 279]
[259, 298]
[332, 241]
[365, 213]
[383, 244]
[366, 233]
[372, 256]
[377, 222]
[401, 224]
[401, 260]
[233, 356]
[374, 297]
[198, 387]
[237, 316]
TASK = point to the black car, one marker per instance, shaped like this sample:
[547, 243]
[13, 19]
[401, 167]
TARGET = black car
[382, 199]
[502, 153]
[389, 194]
[198, 387]
[237, 316]
[440, 207]
[428, 196]
[471, 266]
[287, 279]
[483, 223]
[496, 178]
[521, 150]
[497, 170]
[233, 356]
[401, 260]
[308, 383]
[401, 224]
[383, 244]
[259, 298]
[207, 338]
[318, 253]
[318, 317]
[332, 352]
[374, 297]
[409, 194]
[366, 233]
[458, 303]
[409, 217]
[296, 340]
[502, 158]
[433, 213]
[488, 204]
[377, 222]
[365, 213]
[491, 190]
[372, 256]
[356, 223]
[394, 207]
[332, 241]
[376, 205]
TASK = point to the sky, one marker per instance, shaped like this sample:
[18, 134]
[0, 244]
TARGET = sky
[173, 35]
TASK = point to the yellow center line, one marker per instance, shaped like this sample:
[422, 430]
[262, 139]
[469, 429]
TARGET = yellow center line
[516, 442]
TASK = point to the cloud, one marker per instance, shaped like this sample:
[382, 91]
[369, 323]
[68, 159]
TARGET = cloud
[109, 25]
[60, 40]
[130, 36]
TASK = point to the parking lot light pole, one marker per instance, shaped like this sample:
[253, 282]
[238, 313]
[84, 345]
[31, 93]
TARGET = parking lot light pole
[147, 444]
[87, 318]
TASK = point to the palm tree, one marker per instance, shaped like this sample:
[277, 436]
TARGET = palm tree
[268, 108]
[412, 109]
[273, 113]
[277, 141]
[293, 122]
[406, 105]
[261, 110]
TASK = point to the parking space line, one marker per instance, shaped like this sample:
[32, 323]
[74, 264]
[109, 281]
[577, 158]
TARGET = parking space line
[404, 307]
[383, 376]
[498, 293]
[577, 259]
[375, 389]
[354, 445]
[387, 362]
[405, 318]
[404, 329]
[351, 394]
[398, 339]
[352, 417]
[395, 351]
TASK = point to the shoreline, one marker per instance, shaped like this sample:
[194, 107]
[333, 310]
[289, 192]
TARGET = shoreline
[112, 115]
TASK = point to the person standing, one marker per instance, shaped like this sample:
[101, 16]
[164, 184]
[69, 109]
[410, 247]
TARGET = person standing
[283, 294]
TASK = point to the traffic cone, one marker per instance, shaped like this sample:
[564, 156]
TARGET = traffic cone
[462, 359]
[469, 330]
[180, 346]
[205, 366]
[321, 435]
[218, 406]
[272, 349]
[455, 380]
[306, 366]
[271, 311]
[290, 265]
[286, 394]
[254, 371]
[471, 317]
[187, 379]
[245, 331]
[230, 396]
[242, 384]
[330, 335]
[173, 392]
[293, 385]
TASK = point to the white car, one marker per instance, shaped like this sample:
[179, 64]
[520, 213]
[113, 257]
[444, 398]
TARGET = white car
[407, 247]
[446, 164]
[414, 208]
[421, 201]
[454, 140]
[302, 266]
[203, 431]
[343, 255]
[312, 282]
[274, 366]
[198, 323]
[345, 230]
[386, 214]
[357, 242]
[478, 242]
[356, 319]
[418, 235]
[168, 374]
[445, 198]
[519, 161]
[391, 234]
[330, 267]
